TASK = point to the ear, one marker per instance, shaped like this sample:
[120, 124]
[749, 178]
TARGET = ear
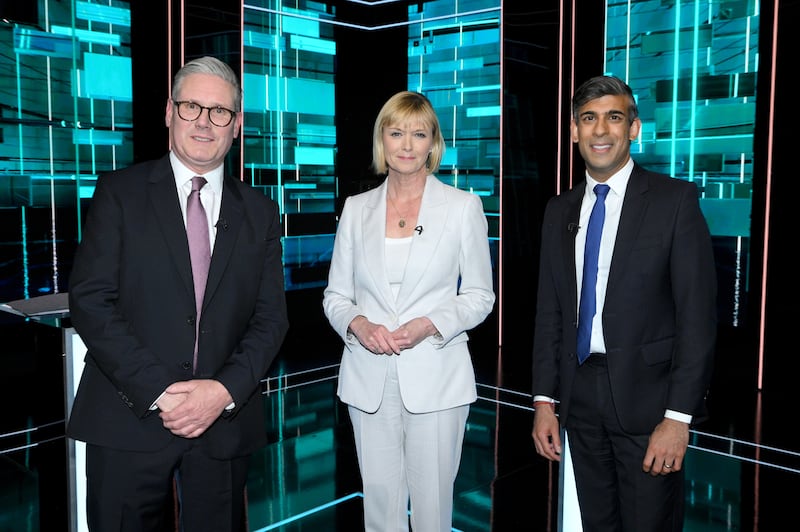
[168, 113]
[635, 129]
[237, 124]
[573, 130]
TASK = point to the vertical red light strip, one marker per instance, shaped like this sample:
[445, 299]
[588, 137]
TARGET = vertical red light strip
[770, 140]
[182, 36]
[241, 85]
[569, 148]
[169, 49]
[500, 262]
[500, 246]
[559, 128]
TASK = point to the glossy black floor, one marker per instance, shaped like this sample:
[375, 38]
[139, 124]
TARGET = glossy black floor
[307, 479]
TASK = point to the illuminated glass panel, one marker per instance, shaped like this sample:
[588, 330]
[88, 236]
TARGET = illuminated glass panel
[290, 137]
[289, 131]
[692, 66]
[454, 59]
[66, 116]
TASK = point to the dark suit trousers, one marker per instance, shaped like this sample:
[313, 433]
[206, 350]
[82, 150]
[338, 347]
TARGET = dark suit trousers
[134, 491]
[614, 493]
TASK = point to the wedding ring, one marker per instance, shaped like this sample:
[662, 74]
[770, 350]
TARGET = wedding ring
[667, 466]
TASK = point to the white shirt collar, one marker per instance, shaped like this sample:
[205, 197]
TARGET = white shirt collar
[617, 182]
[183, 175]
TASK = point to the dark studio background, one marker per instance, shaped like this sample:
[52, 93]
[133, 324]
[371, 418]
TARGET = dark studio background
[540, 69]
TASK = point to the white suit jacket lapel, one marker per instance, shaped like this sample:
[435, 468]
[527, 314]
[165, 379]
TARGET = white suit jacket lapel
[432, 216]
[374, 231]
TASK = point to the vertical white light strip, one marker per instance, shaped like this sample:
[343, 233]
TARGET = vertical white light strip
[675, 78]
[693, 104]
[51, 144]
[627, 41]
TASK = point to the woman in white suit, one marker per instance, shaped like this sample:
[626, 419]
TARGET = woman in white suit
[410, 274]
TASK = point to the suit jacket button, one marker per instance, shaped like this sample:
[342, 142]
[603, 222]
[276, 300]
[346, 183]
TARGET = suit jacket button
[186, 365]
[190, 320]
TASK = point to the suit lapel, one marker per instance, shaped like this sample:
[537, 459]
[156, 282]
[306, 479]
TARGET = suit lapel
[568, 231]
[634, 206]
[163, 200]
[228, 226]
[432, 218]
[374, 231]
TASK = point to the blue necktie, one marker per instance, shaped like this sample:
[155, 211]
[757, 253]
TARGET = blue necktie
[588, 305]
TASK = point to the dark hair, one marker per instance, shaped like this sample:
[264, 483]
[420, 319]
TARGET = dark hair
[600, 86]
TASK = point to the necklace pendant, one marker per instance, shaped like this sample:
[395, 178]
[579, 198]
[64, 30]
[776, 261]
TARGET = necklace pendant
[401, 223]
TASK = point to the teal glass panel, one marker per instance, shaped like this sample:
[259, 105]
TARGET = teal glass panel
[693, 68]
[454, 59]
[290, 130]
[67, 116]
[108, 77]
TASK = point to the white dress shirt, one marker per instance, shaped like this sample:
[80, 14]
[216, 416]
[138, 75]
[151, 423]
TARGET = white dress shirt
[617, 183]
[210, 195]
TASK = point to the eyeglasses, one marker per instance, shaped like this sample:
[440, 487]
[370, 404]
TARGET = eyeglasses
[191, 111]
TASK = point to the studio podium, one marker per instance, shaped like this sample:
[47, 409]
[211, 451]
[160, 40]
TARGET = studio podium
[53, 310]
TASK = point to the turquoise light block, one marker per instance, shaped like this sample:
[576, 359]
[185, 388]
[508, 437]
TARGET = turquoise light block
[309, 44]
[99, 13]
[491, 110]
[108, 77]
[300, 26]
[310, 96]
[312, 155]
[97, 137]
[727, 217]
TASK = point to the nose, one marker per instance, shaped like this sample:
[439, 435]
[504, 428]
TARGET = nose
[204, 120]
[600, 127]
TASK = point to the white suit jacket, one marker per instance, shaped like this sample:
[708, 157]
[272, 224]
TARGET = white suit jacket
[448, 278]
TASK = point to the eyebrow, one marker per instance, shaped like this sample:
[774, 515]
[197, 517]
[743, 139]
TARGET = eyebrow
[607, 113]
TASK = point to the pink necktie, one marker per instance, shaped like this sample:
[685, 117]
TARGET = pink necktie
[199, 249]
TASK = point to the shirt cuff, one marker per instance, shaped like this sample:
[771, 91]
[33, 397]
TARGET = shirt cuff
[154, 406]
[678, 416]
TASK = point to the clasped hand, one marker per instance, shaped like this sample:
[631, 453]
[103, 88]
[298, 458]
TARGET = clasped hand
[188, 408]
[381, 341]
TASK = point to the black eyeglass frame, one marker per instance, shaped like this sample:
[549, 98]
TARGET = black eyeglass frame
[231, 114]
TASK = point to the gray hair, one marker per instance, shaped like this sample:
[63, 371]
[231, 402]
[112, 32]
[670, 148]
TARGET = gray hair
[214, 67]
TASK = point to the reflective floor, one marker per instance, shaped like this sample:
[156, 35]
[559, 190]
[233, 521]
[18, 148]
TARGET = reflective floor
[307, 478]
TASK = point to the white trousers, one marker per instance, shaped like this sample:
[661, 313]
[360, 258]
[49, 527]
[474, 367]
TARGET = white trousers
[406, 456]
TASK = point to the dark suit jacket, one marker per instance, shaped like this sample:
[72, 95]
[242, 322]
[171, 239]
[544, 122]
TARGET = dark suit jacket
[132, 302]
[659, 318]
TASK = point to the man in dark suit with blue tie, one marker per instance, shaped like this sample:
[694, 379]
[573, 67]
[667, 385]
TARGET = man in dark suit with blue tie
[649, 345]
[171, 392]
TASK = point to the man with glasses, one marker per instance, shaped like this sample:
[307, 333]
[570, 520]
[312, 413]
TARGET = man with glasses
[177, 291]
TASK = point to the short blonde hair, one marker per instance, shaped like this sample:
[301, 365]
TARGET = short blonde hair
[407, 106]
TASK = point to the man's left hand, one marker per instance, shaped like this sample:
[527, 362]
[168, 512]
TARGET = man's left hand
[666, 448]
[205, 401]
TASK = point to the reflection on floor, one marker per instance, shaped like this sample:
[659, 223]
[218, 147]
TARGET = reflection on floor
[307, 479]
